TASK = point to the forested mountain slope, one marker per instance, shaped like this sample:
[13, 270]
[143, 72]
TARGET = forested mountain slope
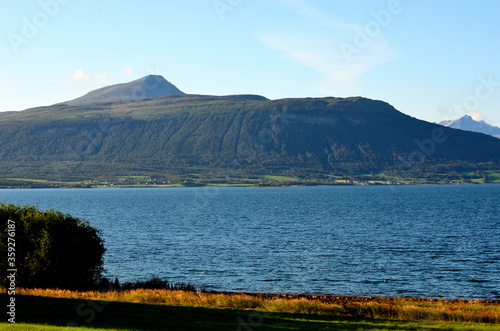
[231, 136]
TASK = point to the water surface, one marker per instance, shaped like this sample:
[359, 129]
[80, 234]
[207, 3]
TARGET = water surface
[426, 241]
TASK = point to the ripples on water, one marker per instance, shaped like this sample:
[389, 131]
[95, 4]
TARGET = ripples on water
[426, 241]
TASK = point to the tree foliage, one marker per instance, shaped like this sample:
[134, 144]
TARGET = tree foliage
[52, 249]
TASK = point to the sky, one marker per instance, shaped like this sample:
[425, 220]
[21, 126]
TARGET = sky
[433, 60]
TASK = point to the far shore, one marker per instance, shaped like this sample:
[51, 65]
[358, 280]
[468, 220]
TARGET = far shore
[100, 186]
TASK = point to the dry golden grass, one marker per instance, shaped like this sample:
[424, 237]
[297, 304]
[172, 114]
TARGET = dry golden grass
[359, 307]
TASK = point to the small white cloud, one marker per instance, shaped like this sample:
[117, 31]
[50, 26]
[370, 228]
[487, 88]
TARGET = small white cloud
[128, 71]
[476, 116]
[81, 75]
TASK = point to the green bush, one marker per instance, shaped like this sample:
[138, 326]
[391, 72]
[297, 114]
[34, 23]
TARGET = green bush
[52, 249]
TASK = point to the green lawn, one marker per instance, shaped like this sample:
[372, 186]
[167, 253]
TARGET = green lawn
[494, 177]
[280, 178]
[46, 313]
[23, 182]
[29, 180]
[228, 185]
[43, 327]
[140, 177]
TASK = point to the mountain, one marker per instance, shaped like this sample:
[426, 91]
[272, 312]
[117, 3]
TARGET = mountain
[147, 87]
[239, 136]
[467, 123]
[5, 113]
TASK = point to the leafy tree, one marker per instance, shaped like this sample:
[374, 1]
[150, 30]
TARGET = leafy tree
[52, 249]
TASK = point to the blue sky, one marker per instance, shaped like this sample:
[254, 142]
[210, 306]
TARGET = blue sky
[433, 60]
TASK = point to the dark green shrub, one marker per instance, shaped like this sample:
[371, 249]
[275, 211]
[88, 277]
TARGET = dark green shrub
[52, 249]
[156, 283]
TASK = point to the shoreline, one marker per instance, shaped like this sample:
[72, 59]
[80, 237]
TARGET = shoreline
[331, 298]
[242, 186]
[265, 305]
[324, 298]
[257, 180]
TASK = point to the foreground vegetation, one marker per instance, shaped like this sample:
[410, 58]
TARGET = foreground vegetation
[143, 309]
[49, 249]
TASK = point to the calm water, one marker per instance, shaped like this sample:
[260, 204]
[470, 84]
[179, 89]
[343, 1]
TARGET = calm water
[427, 241]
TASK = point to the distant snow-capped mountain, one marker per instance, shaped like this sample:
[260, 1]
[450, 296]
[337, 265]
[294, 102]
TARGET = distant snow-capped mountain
[467, 123]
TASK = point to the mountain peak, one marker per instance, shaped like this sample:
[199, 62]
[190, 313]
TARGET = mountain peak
[146, 87]
[471, 119]
[467, 123]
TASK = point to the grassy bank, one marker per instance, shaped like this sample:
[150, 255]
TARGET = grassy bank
[161, 309]
[198, 180]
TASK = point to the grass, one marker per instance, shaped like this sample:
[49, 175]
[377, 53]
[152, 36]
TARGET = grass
[494, 177]
[228, 185]
[140, 177]
[179, 310]
[280, 178]
[482, 177]
[29, 180]
[47, 313]
[43, 327]
[274, 323]
[44, 181]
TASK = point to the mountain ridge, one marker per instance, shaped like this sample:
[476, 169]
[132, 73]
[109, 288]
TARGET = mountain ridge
[233, 136]
[467, 123]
